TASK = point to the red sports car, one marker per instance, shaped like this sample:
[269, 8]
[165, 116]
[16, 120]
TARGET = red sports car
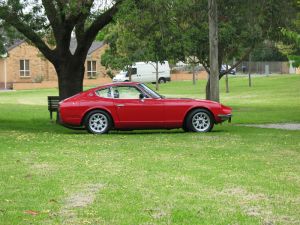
[131, 105]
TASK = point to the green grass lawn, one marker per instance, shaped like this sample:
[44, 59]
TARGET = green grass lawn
[233, 175]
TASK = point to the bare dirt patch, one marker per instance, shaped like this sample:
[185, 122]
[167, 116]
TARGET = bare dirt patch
[283, 126]
[42, 169]
[156, 213]
[244, 194]
[80, 199]
[248, 203]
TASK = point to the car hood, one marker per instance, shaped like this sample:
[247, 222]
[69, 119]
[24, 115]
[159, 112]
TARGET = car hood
[193, 100]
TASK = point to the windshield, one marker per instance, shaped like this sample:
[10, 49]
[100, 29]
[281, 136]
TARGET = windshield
[150, 91]
[122, 73]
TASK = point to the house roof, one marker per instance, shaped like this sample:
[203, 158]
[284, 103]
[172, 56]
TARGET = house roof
[16, 43]
[73, 44]
[95, 45]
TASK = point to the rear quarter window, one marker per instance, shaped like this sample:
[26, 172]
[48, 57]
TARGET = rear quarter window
[104, 93]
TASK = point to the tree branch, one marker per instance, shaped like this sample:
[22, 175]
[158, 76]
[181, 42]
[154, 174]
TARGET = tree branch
[51, 13]
[83, 9]
[100, 22]
[206, 67]
[14, 20]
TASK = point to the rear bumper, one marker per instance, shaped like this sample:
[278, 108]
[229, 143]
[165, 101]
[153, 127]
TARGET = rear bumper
[225, 117]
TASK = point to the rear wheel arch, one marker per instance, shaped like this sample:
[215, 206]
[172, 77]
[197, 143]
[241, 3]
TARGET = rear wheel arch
[96, 109]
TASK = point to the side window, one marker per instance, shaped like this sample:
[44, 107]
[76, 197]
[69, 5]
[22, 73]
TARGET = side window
[104, 93]
[126, 92]
[132, 70]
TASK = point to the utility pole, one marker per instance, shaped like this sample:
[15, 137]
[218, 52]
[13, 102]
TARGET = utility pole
[213, 50]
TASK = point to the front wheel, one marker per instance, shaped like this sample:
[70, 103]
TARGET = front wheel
[200, 120]
[98, 122]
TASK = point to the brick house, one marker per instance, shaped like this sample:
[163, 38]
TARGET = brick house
[24, 67]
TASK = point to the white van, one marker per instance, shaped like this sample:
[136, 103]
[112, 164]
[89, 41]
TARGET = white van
[145, 72]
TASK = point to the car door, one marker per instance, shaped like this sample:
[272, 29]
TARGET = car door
[134, 112]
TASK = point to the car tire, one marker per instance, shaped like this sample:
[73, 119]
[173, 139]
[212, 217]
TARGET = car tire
[162, 80]
[185, 128]
[200, 120]
[98, 122]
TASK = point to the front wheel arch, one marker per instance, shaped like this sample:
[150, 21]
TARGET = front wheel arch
[184, 123]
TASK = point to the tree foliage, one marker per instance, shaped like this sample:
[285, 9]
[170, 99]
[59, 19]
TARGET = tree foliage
[268, 51]
[49, 25]
[291, 45]
[145, 31]
[8, 35]
[242, 25]
[155, 30]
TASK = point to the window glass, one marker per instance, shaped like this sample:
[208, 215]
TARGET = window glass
[150, 91]
[91, 69]
[94, 66]
[104, 93]
[24, 68]
[21, 64]
[133, 71]
[27, 65]
[126, 92]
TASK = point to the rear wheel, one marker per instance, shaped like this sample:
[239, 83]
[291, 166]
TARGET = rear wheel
[98, 122]
[200, 120]
[162, 80]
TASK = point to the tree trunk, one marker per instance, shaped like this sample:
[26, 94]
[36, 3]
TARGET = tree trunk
[156, 70]
[227, 83]
[70, 78]
[249, 70]
[194, 75]
[129, 73]
[207, 89]
[226, 79]
[213, 49]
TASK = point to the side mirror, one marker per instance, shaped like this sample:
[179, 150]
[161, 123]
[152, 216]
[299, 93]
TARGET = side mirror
[142, 96]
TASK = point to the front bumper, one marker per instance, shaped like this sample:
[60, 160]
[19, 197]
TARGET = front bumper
[225, 117]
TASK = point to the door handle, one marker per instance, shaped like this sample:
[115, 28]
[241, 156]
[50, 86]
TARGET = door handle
[120, 105]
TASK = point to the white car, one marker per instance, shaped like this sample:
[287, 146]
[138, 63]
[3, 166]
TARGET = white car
[121, 77]
[145, 72]
[227, 67]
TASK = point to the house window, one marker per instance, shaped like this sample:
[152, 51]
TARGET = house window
[24, 68]
[91, 69]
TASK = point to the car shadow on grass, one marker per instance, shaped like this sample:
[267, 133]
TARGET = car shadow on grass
[46, 126]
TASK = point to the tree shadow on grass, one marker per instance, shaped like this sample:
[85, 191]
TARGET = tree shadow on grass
[33, 126]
